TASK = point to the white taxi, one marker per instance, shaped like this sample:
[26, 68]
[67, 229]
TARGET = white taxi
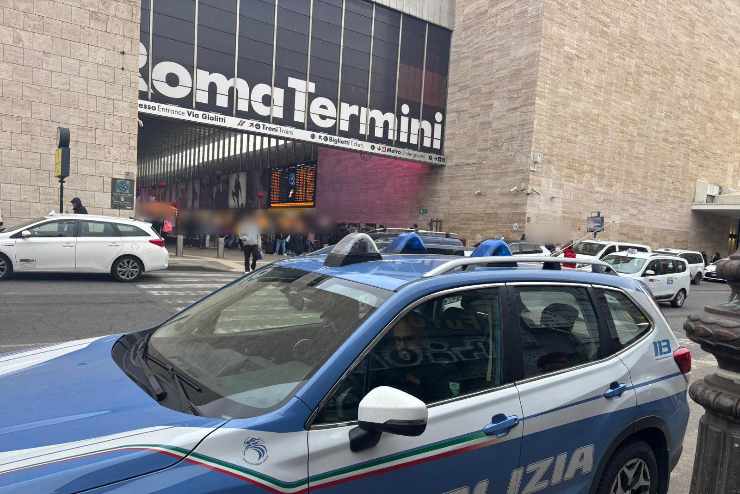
[668, 277]
[82, 243]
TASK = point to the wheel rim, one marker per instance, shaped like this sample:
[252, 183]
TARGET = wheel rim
[680, 298]
[3, 267]
[127, 269]
[633, 478]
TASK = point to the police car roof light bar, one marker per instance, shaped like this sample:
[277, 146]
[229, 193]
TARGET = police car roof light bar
[473, 261]
[353, 248]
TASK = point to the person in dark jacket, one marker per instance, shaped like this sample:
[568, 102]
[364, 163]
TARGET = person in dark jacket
[77, 206]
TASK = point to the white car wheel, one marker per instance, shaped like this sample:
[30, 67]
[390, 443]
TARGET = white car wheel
[6, 268]
[679, 299]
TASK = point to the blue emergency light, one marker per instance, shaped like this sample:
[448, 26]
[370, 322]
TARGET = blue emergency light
[407, 243]
[353, 248]
[489, 248]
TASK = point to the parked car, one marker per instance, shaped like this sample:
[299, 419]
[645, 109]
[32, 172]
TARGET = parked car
[82, 243]
[668, 277]
[435, 242]
[521, 248]
[695, 260]
[364, 373]
[599, 249]
[710, 273]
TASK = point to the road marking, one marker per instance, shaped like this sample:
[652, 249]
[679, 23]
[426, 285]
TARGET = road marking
[170, 293]
[191, 274]
[181, 285]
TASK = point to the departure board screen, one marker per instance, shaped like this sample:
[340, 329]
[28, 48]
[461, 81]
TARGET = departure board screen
[293, 186]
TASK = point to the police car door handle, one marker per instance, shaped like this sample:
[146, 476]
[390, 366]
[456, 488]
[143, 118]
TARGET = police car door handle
[615, 390]
[501, 425]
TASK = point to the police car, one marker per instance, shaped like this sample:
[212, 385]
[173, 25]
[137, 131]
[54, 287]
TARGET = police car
[360, 373]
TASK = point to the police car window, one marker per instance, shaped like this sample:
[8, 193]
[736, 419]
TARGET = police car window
[443, 349]
[97, 229]
[252, 344]
[680, 267]
[629, 322]
[558, 328]
[64, 228]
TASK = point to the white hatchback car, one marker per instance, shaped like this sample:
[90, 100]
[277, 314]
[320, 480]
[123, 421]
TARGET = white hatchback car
[82, 243]
[668, 277]
[696, 262]
[599, 249]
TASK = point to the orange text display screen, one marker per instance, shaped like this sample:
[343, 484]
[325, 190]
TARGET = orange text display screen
[293, 186]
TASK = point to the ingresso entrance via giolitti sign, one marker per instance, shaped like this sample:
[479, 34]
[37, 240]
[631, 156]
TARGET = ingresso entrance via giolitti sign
[349, 74]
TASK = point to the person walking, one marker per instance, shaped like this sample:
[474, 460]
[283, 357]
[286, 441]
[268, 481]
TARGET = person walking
[705, 256]
[716, 257]
[569, 253]
[77, 206]
[249, 237]
[280, 243]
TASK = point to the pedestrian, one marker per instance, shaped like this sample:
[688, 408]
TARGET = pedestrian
[705, 257]
[77, 206]
[280, 243]
[569, 253]
[716, 257]
[249, 236]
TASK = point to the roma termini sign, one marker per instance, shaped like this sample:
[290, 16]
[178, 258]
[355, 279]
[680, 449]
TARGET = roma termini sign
[186, 84]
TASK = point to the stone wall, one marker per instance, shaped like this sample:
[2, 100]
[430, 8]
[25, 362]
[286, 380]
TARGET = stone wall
[490, 118]
[634, 103]
[69, 63]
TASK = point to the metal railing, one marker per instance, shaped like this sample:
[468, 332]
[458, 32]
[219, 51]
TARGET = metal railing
[478, 261]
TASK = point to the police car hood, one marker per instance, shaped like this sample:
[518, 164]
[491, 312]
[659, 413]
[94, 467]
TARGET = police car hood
[71, 420]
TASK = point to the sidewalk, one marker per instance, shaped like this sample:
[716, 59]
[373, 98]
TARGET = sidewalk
[197, 259]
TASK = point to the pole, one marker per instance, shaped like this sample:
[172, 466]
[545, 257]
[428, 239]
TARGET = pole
[61, 195]
[717, 330]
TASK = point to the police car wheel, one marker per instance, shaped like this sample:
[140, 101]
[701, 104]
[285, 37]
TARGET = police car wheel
[6, 268]
[632, 470]
[679, 299]
[127, 268]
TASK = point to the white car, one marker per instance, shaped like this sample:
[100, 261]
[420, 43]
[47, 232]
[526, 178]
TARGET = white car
[599, 249]
[82, 243]
[522, 248]
[695, 259]
[667, 277]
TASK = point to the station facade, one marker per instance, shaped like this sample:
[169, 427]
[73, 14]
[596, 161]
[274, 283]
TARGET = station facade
[478, 117]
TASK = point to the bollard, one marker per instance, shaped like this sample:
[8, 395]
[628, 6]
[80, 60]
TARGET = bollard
[220, 247]
[717, 330]
[207, 242]
[180, 245]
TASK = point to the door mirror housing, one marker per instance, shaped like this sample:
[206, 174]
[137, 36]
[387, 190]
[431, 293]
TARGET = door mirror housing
[649, 272]
[25, 234]
[386, 409]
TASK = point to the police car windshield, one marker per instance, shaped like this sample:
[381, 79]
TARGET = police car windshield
[252, 344]
[625, 264]
[587, 248]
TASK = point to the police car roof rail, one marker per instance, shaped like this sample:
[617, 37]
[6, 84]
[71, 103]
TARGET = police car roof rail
[477, 261]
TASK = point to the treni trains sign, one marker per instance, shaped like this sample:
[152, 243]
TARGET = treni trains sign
[175, 83]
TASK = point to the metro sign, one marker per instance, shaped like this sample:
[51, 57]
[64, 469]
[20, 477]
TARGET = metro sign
[174, 81]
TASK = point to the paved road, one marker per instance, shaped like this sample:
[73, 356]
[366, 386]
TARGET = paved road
[37, 309]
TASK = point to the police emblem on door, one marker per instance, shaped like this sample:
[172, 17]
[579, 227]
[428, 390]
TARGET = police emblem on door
[254, 451]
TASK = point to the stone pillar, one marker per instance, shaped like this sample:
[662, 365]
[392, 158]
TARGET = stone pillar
[717, 330]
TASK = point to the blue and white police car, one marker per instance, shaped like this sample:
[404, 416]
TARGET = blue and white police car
[356, 373]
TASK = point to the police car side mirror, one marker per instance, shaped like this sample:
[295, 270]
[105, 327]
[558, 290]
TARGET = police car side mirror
[386, 409]
[649, 272]
[25, 234]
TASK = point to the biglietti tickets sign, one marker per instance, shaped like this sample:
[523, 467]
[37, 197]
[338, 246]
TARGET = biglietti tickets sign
[359, 77]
